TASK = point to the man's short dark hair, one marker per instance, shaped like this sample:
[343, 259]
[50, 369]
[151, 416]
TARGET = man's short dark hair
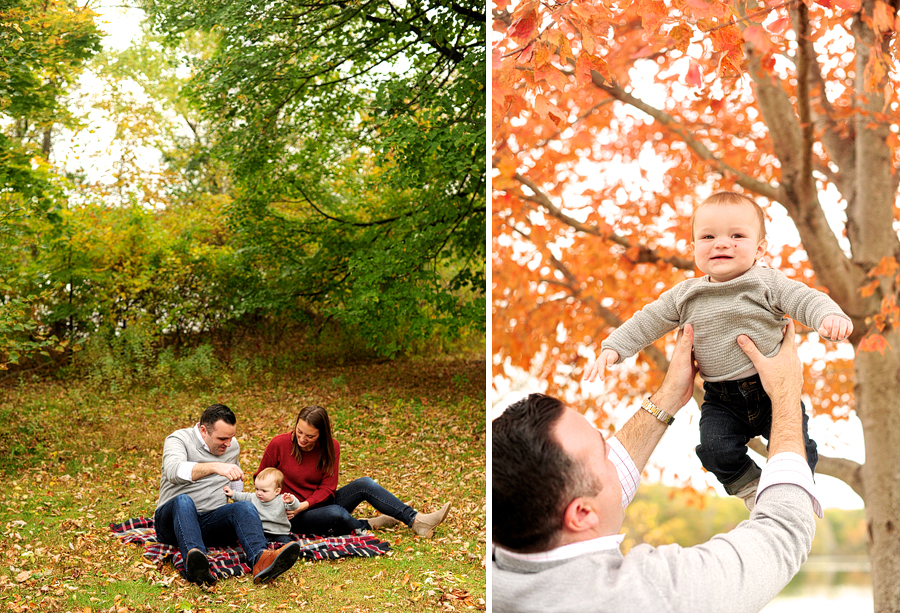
[533, 479]
[216, 412]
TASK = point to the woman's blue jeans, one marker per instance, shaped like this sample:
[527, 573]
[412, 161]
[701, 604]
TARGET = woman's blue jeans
[335, 518]
[178, 523]
[733, 412]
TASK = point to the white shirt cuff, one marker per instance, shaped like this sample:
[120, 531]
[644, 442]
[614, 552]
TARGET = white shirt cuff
[789, 467]
[184, 471]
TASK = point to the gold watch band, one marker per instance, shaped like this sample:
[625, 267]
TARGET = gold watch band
[656, 412]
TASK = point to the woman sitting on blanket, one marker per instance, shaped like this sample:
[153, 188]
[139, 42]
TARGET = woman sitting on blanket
[309, 457]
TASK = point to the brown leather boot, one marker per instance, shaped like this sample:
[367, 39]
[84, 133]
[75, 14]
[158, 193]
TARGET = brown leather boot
[273, 562]
[424, 524]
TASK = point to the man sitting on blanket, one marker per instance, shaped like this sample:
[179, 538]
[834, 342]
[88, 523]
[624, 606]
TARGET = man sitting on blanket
[192, 511]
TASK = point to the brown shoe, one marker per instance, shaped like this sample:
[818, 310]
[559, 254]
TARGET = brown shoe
[382, 521]
[273, 562]
[424, 525]
[196, 567]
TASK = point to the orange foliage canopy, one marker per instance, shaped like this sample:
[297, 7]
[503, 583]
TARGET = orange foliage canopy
[613, 118]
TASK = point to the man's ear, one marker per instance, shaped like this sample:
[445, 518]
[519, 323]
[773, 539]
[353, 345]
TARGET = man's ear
[580, 516]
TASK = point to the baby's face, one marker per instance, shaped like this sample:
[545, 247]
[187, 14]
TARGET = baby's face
[266, 490]
[727, 240]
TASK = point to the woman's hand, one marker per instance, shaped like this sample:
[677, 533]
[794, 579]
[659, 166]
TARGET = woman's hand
[292, 512]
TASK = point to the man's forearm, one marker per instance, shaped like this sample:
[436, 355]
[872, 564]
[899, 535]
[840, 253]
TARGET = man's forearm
[643, 431]
[787, 427]
[641, 434]
[203, 469]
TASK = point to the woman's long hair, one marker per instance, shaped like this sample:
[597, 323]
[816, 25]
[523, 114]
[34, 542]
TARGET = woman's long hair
[317, 417]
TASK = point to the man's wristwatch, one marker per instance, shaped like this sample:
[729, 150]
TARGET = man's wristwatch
[657, 412]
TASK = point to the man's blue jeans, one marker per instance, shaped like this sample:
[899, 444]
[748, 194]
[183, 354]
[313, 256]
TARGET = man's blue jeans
[178, 523]
[335, 518]
[733, 412]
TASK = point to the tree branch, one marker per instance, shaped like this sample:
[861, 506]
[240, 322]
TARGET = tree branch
[645, 254]
[466, 12]
[672, 124]
[840, 149]
[805, 59]
[359, 224]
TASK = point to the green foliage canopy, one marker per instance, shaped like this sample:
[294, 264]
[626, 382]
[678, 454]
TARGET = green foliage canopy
[43, 47]
[356, 134]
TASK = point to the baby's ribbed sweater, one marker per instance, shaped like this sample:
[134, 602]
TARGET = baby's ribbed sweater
[272, 514]
[753, 304]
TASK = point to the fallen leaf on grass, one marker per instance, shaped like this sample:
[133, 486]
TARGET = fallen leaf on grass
[23, 576]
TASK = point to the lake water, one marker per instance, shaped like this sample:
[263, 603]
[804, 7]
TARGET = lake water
[827, 584]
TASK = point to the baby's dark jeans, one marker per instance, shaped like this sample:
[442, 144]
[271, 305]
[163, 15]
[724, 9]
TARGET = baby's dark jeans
[733, 412]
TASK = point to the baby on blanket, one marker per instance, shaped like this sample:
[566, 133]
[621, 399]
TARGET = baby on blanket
[272, 508]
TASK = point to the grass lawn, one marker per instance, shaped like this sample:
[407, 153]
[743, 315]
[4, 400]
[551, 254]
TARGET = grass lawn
[75, 456]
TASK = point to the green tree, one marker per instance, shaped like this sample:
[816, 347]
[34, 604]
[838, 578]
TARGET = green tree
[357, 137]
[43, 47]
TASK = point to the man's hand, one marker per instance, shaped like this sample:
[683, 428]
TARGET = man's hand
[607, 358]
[678, 386]
[642, 432]
[782, 378]
[228, 491]
[232, 472]
[835, 328]
[782, 375]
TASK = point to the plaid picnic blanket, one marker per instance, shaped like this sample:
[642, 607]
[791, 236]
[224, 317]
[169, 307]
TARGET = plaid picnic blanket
[231, 562]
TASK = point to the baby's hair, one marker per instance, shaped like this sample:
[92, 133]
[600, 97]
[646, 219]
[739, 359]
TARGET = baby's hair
[274, 473]
[732, 198]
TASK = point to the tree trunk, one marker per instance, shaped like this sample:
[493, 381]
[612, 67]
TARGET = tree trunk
[877, 376]
[877, 390]
[45, 144]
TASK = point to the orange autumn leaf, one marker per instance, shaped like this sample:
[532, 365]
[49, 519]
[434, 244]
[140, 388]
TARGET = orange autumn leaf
[882, 17]
[757, 36]
[525, 28]
[848, 5]
[779, 26]
[547, 110]
[693, 75]
[869, 288]
[873, 342]
[886, 267]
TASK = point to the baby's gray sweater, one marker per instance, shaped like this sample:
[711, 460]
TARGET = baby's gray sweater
[272, 514]
[753, 304]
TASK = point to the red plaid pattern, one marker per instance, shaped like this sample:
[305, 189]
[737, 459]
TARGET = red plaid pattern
[231, 562]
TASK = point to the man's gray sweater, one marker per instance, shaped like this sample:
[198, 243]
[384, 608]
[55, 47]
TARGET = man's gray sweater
[185, 446]
[737, 572]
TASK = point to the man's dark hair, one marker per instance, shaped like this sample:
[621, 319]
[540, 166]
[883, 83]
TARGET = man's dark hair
[214, 413]
[533, 480]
